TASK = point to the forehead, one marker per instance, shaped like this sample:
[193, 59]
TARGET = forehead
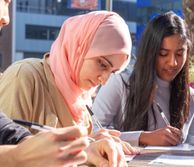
[173, 41]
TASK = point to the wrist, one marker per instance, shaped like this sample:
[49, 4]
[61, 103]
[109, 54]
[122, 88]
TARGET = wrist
[144, 139]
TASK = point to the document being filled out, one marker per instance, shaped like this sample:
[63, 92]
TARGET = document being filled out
[181, 147]
[174, 160]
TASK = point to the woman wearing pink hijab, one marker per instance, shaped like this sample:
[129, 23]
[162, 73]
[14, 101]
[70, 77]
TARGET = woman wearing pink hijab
[54, 90]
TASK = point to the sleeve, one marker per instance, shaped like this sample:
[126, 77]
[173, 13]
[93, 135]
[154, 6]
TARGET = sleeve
[107, 103]
[17, 92]
[131, 136]
[11, 133]
[108, 106]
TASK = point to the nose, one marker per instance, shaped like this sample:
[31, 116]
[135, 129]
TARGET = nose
[104, 77]
[172, 61]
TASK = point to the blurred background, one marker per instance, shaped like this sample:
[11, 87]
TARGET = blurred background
[35, 24]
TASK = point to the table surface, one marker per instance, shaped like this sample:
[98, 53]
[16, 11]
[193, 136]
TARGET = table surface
[147, 156]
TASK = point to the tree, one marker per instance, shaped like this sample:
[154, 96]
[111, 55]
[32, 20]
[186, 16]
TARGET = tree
[188, 9]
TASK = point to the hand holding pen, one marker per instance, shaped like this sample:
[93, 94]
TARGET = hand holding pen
[39, 127]
[174, 130]
[51, 147]
[114, 134]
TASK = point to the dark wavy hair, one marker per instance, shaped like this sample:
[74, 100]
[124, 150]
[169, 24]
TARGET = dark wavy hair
[141, 83]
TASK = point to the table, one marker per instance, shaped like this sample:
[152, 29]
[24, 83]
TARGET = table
[147, 156]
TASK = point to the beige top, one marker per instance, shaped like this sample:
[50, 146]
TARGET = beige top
[28, 91]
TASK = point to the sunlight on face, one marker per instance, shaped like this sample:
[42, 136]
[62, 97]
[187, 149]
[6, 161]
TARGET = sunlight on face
[96, 71]
[172, 57]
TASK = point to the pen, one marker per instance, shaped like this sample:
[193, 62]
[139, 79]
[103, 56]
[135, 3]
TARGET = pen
[33, 125]
[39, 127]
[162, 114]
[94, 117]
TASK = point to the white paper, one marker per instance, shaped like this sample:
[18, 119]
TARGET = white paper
[129, 158]
[174, 160]
[181, 147]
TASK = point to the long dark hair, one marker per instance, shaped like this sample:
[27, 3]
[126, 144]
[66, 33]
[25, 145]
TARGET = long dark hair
[141, 83]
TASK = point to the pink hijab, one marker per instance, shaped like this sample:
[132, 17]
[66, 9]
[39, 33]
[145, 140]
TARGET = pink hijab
[94, 34]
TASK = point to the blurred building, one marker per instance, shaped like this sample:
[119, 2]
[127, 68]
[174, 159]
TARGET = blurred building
[35, 23]
[147, 9]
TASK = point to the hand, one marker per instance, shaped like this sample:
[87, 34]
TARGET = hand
[115, 134]
[168, 136]
[58, 147]
[105, 133]
[107, 153]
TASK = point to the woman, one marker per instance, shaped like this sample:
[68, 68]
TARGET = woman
[158, 82]
[54, 91]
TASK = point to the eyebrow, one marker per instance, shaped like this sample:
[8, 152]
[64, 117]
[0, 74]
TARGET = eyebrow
[108, 61]
[181, 49]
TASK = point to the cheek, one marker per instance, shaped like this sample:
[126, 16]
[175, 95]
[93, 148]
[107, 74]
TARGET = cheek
[182, 61]
[87, 71]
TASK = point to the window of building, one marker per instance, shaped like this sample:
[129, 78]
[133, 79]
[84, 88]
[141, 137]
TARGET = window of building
[41, 32]
[33, 54]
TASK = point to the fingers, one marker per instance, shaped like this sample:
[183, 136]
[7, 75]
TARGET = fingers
[97, 153]
[112, 152]
[74, 147]
[121, 156]
[72, 160]
[128, 149]
[172, 137]
[70, 133]
[114, 132]
[105, 133]
[106, 152]
[176, 131]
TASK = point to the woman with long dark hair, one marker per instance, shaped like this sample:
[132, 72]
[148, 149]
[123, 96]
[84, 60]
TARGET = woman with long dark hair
[158, 83]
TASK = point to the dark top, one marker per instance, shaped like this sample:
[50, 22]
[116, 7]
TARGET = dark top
[10, 132]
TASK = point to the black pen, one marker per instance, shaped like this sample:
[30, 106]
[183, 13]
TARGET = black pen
[162, 114]
[39, 127]
[94, 117]
[33, 125]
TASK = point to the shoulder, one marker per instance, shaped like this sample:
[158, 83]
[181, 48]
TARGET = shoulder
[24, 69]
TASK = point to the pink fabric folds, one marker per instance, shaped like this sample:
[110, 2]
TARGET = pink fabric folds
[94, 34]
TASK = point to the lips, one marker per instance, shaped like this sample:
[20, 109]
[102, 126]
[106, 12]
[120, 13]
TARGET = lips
[171, 72]
[94, 84]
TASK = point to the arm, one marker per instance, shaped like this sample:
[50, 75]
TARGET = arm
[11, 133]
[58, 147]
[167, 136]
